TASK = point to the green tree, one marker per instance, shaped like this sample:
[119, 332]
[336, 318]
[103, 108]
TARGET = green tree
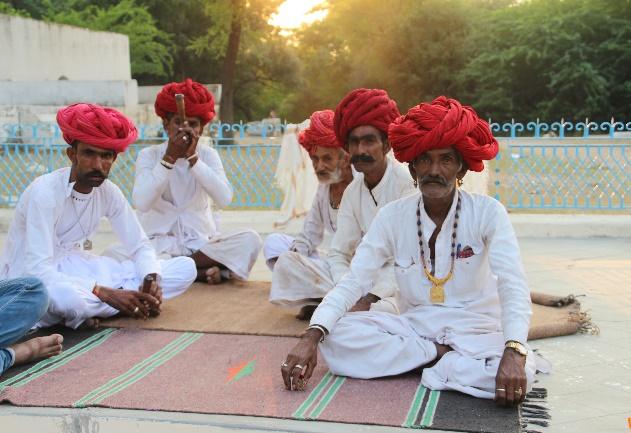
[550, 59]
[255, 64]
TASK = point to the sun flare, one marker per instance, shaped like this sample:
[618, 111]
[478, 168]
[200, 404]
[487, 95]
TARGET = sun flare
[292, 14]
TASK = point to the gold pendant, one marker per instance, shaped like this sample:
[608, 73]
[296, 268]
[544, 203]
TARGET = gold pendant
[87, 244]
[437, 294]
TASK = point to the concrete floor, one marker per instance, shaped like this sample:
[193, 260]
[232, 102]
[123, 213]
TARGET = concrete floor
[588, 391]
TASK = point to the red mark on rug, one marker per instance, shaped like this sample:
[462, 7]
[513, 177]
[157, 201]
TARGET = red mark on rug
[241, 370]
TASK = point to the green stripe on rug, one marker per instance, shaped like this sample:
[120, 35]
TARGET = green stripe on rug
[315, 394]
[138, 371]
[337, 384]
[430, 409]
[50, 364]
[415, 407]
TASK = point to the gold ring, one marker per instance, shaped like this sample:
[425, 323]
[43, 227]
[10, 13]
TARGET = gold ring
[518, 391]
[284, 364]
[136, 310]
[500, 389]
[298, 366]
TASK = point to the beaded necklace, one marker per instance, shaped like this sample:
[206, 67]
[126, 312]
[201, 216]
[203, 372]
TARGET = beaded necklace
[437, 292]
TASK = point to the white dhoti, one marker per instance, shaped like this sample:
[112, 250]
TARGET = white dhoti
[371, 344]
[298, 281]
[72, 306]
[276, 244]
[236, 250]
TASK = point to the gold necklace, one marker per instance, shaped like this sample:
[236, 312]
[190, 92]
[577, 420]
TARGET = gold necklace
[437, 291]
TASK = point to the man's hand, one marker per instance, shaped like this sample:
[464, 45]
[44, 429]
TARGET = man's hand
[301, 361]
[150, 285]
[510, 381]
[130, 303]
[183, 143]
[364, 303]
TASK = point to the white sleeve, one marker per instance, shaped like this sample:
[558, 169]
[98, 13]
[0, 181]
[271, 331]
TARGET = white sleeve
[345, 240]
[127, 228]
[152, 179]
[40, 241]
[505, 262]
[312, 230]
[374, 251]
[212, 177]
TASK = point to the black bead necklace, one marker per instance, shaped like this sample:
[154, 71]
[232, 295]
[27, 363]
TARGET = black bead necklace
[437, 291]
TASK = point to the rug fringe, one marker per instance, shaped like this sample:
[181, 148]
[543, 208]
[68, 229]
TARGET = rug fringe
[533, 411]
[585, 322]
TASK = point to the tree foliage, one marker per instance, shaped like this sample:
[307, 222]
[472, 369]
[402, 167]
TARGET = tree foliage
[521, 59]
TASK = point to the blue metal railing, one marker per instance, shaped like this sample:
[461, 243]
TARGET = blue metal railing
[580, 166]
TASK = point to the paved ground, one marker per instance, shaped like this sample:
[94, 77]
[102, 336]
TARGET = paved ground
[589, 389]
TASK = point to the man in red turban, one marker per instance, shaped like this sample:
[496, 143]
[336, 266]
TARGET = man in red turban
[360, 123]
[57, 215]
[333, 169]
[177, 183]
[462, 292]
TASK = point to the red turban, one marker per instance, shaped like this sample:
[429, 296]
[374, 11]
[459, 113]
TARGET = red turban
[198, 101]
[320, 132]
[97, 126]
[443, 123]
[364, 107]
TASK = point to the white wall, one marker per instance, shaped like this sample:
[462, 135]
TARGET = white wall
[110, 93]
[34, 50]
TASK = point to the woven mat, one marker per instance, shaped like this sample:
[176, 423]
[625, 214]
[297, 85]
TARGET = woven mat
[234, 374]
[243, 308]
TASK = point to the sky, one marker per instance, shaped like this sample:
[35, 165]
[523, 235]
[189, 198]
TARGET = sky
[292, 14]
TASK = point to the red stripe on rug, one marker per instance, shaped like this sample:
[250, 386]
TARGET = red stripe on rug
[222, 374]
[377, 401]
[63, 386]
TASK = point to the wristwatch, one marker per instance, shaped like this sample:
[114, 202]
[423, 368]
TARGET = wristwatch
[517, 347]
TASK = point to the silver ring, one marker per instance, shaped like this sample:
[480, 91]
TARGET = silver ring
[298, 366]
[284, 364]
[136, 310]
[500, 389]
[185, 138]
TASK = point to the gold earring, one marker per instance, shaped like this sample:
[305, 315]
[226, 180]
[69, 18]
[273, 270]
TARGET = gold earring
[415, 183]
[459, 182]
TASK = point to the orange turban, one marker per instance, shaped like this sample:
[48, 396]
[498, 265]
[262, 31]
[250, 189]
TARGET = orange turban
[364, 107]
[443, 123]
[198, 101]
[320, 132]
[97, 126]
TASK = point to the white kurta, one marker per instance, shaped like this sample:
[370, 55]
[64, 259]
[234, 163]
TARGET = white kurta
[45, 240]
[321, 219]
[297, 281]
[174, 207]
[487, 302]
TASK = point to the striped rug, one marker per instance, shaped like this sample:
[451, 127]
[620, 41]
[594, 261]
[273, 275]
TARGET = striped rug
[234, 374]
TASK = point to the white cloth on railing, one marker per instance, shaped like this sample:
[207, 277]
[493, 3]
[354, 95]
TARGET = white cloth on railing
[294, 176]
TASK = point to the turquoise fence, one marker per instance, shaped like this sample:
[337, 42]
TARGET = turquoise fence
[580, 166]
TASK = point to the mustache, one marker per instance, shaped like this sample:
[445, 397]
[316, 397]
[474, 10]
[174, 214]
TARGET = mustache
[432, 179]
[96, 174]
[361, 158]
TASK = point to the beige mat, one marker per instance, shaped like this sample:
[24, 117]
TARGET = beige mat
[243, 308]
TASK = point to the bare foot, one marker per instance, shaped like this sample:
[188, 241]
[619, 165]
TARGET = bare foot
[441, 349]
[306, 312]
[37, 348]
[88, 324]
[213, 275]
